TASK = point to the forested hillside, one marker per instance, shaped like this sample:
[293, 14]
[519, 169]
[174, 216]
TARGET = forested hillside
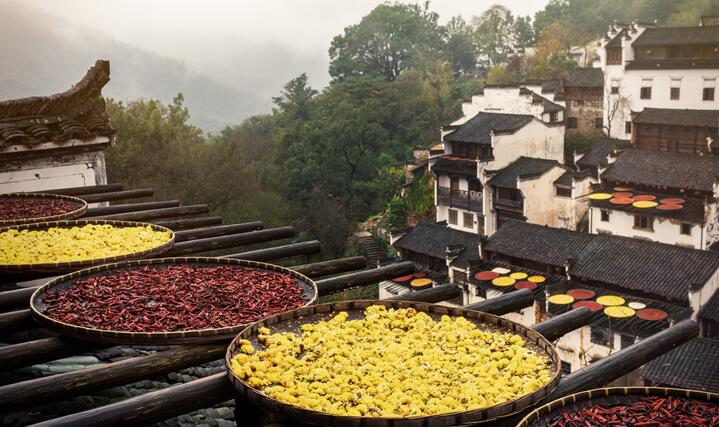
[327, 158]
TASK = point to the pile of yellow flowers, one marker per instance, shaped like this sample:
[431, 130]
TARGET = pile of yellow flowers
[91, 241]
[391, 363]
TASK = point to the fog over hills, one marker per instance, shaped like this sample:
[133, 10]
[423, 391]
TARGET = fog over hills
[41, 54]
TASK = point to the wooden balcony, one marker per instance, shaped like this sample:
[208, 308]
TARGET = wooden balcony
[461, 199]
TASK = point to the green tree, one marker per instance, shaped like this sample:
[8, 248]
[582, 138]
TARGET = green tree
[493, 34]
[387, 41]
[523, 31]
[460, 46]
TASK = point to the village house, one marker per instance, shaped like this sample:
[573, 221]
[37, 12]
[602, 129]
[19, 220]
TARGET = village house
[675, 282]
[583, 96]
[56, 141]
[688, 179]
[692, 365]
[660, 83]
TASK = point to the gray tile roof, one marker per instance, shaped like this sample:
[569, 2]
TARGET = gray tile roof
[678, 117]
[673, 64]
[566, 178]
[639, 265]
[710, 310]
[433, 239]
[478, 128]
[523, 167]
[455, 166]
[692, 365]
[678, 36]
[664, 170]
[598, 152]
[586, 77]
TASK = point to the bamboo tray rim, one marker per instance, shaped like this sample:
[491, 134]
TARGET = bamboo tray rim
[186, 336]
[71, 265]
[472, 416]
[63, 216]
[587, 395]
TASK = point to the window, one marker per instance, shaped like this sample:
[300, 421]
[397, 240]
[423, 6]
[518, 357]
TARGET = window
[563, 191]
[598, 123]
[614, 56]
[675, 88]
[708, 92]
[553, 116]
[480, 292]
[566, 368]
[627, 127]
[646, 91]
[645, 222]
[686, 228]
[453, 217]
[600, 335]
[604, 215]
[571, 122]
[615, 87]
[468, 220]
[578, 103]
[454, 183]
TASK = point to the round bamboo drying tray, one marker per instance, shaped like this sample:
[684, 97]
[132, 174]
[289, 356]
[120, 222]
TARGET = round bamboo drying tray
[613, 395]
[154, 338]
[65, 267]
[292, 320]
[82, 207]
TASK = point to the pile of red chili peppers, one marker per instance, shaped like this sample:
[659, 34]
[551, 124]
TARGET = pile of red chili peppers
[23, 208]
[650, 411]
[174, 298]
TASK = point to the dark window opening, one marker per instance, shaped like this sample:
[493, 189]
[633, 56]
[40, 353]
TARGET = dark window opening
[674, 93]
[627, 127]
[600, 335]
[614, 56]
[605, 216]
[708, 94]
[553, 116]
[480, 292]
[571, 123]
[598, 123]
[645, 93]
[627, 340]
[564, 192]
[686, 228]
[615, 90]
[566, 368]
[468, 220]
[645, 222]
[453, 217]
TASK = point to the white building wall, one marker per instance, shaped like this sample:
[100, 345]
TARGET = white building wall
[701, 296]
[533, 140]
[45, 173]
[666, 230]
[506, 100]
[538, 194]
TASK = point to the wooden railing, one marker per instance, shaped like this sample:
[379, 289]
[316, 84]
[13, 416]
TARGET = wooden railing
[470, 200]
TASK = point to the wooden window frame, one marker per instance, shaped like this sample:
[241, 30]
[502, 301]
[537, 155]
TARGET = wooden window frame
[469, 215]
[644, 222]
[604, 213]
[453, 217]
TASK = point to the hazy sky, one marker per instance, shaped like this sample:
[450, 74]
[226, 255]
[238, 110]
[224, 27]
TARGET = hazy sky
[255, 45]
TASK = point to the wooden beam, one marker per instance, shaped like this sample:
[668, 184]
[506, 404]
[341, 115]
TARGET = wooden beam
[37, 351]
[118, 195]
[188, 223]
[624, 361]
[13, 321]
[130, 207]
[280, 252]
[61, 386]
[16, 298]
[507, 303]
[436, 294]
[557, 326]
[80, 191]
[214, 243]
[152, 407]
[335, 266]
[340, 283]
[175, 212]
[220, 230]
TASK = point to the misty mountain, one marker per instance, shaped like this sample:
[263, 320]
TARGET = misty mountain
[41, 54]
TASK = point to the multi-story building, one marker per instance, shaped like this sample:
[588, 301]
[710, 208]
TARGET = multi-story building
[56, 141]
[666, 70]
[687, 181]
[583, 96]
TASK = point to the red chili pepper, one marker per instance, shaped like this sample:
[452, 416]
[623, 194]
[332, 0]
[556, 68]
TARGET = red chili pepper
[174, 298]
[24, 208]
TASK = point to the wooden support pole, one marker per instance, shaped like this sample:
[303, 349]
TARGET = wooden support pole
[335, 266]
[31, 352]
[118, 195]
[220, 230]
[189, 223]
[61, 386]
[13, 321]
[16, 298]
[507, 303]
[626, 360]
[152, 407]
[81, 191]
[130, 207]
[214, 243]
[280, 252]
[557, 326]
[175, 212]
[436, 294]
[340, 283]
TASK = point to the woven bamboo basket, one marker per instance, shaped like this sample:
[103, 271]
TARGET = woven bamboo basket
[292, 320]
[608, 396]
[81, 208]
[65, 267]
[153, 338]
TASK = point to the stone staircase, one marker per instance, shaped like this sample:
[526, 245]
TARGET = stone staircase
[370, 248]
